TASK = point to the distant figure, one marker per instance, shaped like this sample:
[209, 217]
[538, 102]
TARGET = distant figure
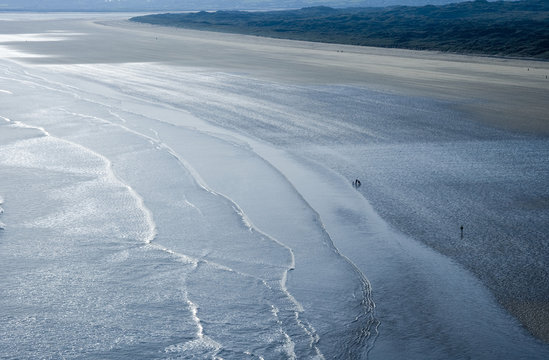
[461, 228]
[356, 184]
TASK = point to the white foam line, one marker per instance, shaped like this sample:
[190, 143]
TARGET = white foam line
[23, 81]
[289, 342]
[150, 236]
[147, 212]
[196, 261]
[6, 92]
[238, 210]
[25, 126]
[152, 140]
[252, 354]
[49, 81]
[2, 225]
[200, 336]
[86, 116]
[245, 220]
[111, 174]
[308, 329]
[194, 207]
[248, 223]
[152, 226]
[159, 144]
[141, 203]
[194, 311]
[367, 302]
[200, 182]
[117, 116]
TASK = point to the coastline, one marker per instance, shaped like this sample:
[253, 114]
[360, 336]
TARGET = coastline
[334, 43]
[496, 28]
[474, 85]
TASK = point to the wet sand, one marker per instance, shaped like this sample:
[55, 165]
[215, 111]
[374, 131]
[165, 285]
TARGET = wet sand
[511, 94]
[506, 93]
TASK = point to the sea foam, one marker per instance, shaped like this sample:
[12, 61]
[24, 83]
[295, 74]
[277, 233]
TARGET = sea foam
[2, 225]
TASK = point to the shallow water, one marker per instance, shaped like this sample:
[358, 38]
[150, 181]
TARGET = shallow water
[155, 211]
[208, 262]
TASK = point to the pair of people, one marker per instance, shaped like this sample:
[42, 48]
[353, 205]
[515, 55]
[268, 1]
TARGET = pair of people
[356, 184]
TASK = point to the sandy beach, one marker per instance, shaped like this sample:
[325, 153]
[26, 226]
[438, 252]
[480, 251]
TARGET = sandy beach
[509, 93]
[438, 141]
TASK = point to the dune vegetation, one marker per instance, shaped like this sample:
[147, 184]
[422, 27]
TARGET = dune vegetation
[503, 28]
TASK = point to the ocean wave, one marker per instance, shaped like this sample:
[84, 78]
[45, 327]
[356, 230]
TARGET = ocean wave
[63, 156]
[203, 347]
[2, 225]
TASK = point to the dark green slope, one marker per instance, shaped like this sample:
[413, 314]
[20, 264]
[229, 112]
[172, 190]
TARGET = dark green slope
[518, 28]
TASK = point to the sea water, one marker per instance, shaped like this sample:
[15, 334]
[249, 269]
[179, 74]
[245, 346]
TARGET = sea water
[94, 206]
[155, 211]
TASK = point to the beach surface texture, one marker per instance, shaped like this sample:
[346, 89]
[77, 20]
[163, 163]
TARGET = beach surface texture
[177, 194]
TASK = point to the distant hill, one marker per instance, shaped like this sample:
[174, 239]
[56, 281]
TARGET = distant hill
[175, 5]
[510, 28]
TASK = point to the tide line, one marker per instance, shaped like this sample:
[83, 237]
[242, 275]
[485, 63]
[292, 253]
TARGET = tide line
[152, 228]
[151, 225]
[41, 129]
[2, 225]
[308, 329]
[246, 221]
[370, 332]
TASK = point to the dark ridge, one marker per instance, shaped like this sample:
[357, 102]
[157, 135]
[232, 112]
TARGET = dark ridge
[502, 28]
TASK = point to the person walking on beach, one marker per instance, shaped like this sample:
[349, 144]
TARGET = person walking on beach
[356, 184]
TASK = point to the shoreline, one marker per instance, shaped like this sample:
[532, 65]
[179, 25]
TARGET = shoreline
[510, 118]
[507, 28]
[502, 77]
[476, 84]
[466, 82]
[433, 51]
